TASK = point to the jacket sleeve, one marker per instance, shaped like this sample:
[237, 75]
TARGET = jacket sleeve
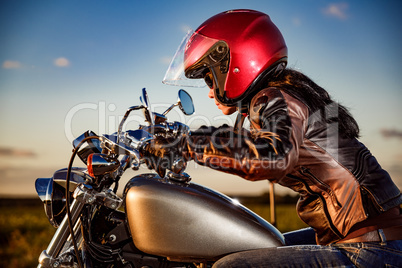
[268, 151]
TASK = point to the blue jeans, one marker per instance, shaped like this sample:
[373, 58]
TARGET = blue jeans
[301, 251]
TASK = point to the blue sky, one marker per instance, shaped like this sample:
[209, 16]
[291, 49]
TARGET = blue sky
[69, 66]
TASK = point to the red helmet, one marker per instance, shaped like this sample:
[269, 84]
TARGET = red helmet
[234, 52]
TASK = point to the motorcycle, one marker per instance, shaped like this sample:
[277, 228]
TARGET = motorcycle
[161, 220]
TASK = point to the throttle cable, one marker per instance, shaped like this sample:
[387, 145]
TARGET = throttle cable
[70, 224]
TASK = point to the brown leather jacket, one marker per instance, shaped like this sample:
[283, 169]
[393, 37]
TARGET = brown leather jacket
[340, 183]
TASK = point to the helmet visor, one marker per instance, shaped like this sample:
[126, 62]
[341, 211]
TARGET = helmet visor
[195, 55]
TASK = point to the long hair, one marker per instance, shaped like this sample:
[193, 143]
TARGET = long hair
[316, 99]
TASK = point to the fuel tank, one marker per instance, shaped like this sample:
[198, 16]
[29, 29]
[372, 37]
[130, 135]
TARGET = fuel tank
[188, 222]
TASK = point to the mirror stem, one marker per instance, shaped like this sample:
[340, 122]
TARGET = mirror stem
[170, 108]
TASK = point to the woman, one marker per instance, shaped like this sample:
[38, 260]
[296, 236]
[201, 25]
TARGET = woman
[300, 138]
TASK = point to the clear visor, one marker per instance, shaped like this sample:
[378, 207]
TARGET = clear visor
[191, 53]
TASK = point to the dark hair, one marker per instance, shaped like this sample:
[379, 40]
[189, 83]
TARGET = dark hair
[316, 99]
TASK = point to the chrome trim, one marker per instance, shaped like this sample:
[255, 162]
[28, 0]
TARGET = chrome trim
[129, 110]
[48, 256]
[86, 195]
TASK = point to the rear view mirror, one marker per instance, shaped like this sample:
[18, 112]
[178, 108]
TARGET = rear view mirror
[185, 102]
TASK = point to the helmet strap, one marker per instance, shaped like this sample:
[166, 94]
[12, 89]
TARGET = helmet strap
[239, 122]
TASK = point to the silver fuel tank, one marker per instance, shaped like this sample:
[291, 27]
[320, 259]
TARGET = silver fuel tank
[186, 221]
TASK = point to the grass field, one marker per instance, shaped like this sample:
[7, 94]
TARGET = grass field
[25, 230]
[24, 233]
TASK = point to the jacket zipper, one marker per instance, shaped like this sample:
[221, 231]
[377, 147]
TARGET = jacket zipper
[306, 171]
[367, 192]
[331, 224]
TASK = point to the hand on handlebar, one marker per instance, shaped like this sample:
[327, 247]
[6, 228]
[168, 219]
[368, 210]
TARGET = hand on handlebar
[164, 151]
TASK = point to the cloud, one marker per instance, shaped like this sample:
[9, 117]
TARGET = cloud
[391, 133]
[61, 62]
[7, 152]
[337, 10]
[10, 64]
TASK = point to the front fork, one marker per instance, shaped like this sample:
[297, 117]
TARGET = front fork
[48, 258]
[83, 194]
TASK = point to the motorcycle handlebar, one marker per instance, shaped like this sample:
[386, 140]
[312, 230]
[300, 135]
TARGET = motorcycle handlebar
[133, 143]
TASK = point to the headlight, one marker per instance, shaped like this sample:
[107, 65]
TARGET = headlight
[53, 198]
[52, 192]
